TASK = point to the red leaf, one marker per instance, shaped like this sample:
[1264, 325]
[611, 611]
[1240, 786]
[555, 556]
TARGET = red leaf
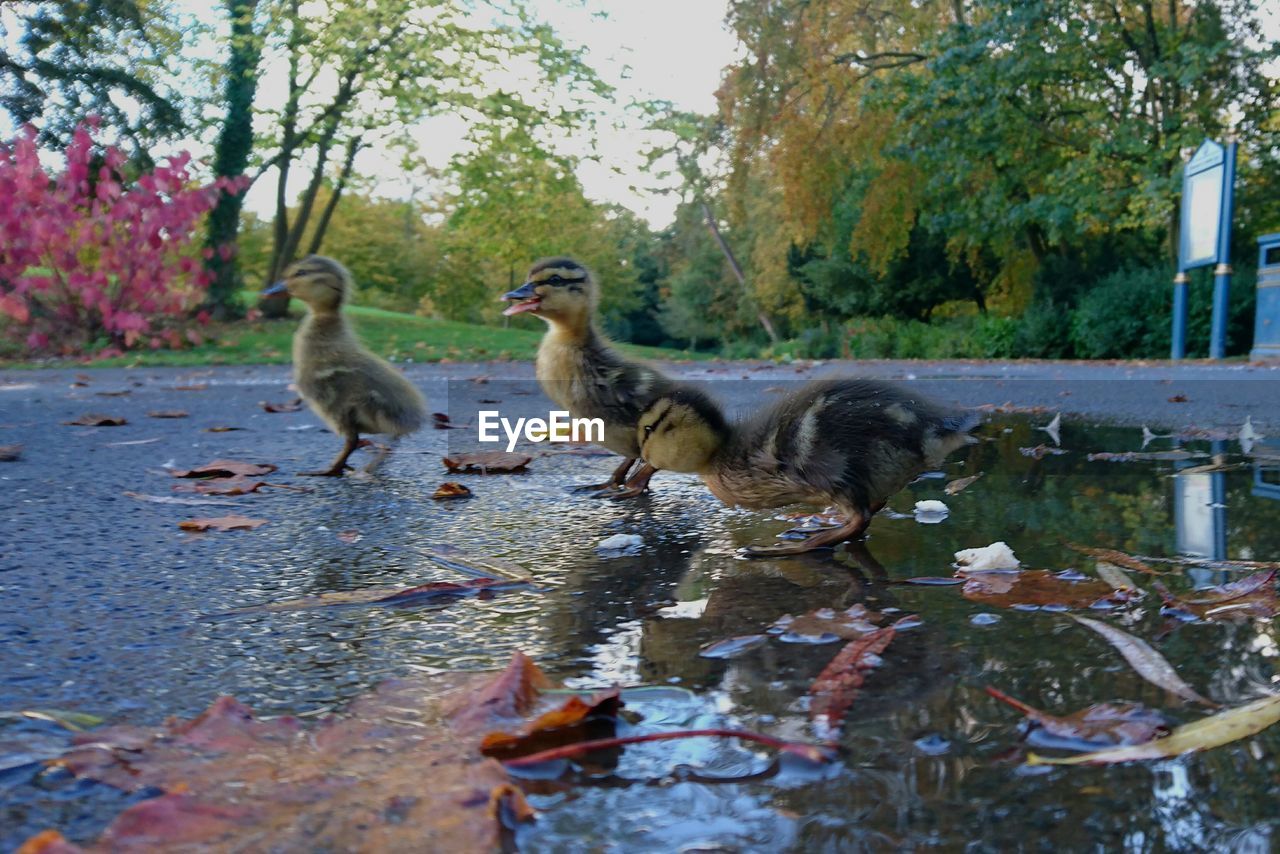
[836, 687]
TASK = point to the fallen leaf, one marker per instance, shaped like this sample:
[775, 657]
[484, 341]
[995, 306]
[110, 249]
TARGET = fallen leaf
[1144, 659]
[1252, 597]
[287, 406]
[10, 453]
[1178, 398]
[1204, 734]
[354, 781]
[488, 462]
[233, 522]
[191, 387]
[350, 536]
[225, 468]
[168, 499]
[114, 393]
[454, 558]
[221, 429]
[167, 413]
[1009, 589]
[959, 485]
[416, 595]
[1114, 575]
[1139, 456]
[238, 485]
[450, 489]
[732, 647]
[95, 420]
[825, 625]
[1112, 556]
[1039, 452]
[836, 687]
[576, 720]
[1101, 725]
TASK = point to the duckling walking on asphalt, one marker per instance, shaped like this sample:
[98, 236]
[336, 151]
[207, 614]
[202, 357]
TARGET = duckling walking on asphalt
[579, 370]
[851, 443]
[353, 390]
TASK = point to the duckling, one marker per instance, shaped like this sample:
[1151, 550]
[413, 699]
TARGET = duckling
[579, 370]
[844, 442]
[351, 389]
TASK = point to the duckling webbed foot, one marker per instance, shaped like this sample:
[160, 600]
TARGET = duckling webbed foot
[339, 466]
[615, 482]
[852, 529]
[638, 485]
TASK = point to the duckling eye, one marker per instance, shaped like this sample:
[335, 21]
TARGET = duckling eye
[555, 280]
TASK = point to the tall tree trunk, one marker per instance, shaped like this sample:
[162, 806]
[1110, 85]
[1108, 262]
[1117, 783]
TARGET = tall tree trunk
[326, 216]
[765, 322]
[306, 204]
[231, 156]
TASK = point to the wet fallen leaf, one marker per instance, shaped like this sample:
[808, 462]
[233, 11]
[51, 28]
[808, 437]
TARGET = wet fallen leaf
[454, 558]
[191, 387]
[92, 419]
[1114, 575]
[825, 625]
[1252, 597]
[233, 522]
[1178, 398]
[1009, 589]
[355, 781]
[167, 413]
[1112, 556]
[417, 595]
[959, 485]
[440, 421]
[488, 462]
[576, 720]
[285, 406]
[350, 536]
[121, 392]
[1101, 725]
[221, 429]
[168, 499]
[1039, 452]
[238, 485]
[10, 453]
[450, 489]
[1138, 456]
[836, 687]
[732, 647]
[1144, 659]
[1204, 734]
[225, 468]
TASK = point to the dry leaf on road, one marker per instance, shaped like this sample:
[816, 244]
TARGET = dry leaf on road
[233, 522]
[93, 419]
[488, 462]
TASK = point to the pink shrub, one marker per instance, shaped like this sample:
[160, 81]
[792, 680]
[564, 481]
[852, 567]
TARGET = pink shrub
[83, 256]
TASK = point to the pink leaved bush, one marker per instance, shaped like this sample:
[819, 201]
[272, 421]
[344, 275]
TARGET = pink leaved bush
[85, 255]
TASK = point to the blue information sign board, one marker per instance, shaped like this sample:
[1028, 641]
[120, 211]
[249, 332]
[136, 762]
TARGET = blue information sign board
[1208, 183]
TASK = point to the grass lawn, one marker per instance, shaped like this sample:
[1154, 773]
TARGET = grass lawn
[390, 334]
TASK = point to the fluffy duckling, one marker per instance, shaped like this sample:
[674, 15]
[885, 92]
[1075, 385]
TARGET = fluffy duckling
[579, 370]
[353, 390]
[851, 443]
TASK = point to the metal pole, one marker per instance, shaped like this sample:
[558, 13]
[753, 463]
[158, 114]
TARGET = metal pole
[1179, 349]
[1222, 272]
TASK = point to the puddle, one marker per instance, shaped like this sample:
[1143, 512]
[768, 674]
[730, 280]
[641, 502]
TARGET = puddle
[929, 760]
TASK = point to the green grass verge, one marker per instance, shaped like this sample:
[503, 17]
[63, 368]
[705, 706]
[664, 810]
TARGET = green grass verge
[390, 334]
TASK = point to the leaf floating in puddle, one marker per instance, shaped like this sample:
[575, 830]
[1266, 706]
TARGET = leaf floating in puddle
[1148, 663]
[836, 687]
[575, 721]
[1253, 597]
[92, 419]
[238, 485]
[450, 490]
[732, 647]
[167, 413]
[285, 406]
[226, 468]
[488, 462]
[1115, 576]
[825, 625]
[1113, 556]
[233, 522]
[1039, 452]
[1101, 725]
[420, 594]
[1140, 456]
[959, 485]
[1036, 588]
[1259, 581]
[1205, 734]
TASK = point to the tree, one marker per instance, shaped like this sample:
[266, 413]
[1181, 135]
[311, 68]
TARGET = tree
[108, 58]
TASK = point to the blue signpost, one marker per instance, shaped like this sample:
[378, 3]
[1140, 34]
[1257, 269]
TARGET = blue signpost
[1208, 185]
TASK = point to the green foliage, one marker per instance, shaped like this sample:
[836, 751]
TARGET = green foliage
[1126, 314]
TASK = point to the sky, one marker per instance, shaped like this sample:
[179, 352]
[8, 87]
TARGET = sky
[673, 50]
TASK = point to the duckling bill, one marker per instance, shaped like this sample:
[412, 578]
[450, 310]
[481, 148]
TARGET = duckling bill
[848, 443]
[579, 370]
[350, 388]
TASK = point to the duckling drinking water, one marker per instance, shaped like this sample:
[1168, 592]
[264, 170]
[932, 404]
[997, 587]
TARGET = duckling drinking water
[579, 370]
[851, 443]
[353, 390]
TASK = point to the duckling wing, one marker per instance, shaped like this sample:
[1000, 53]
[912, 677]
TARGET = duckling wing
[363, 394]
